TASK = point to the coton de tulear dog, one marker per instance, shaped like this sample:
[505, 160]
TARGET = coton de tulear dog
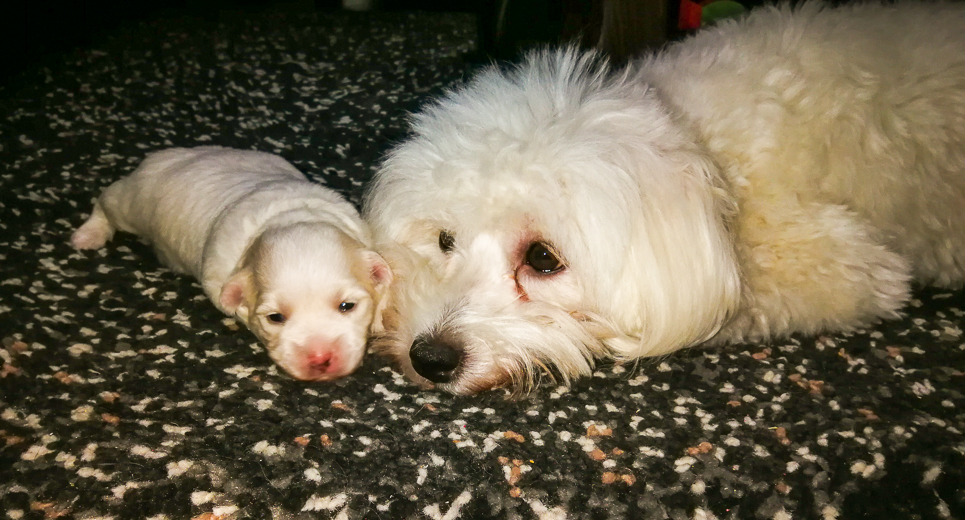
[289, 258]
[793, 171]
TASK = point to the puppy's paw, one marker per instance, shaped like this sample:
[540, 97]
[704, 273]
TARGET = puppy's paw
[94, 233]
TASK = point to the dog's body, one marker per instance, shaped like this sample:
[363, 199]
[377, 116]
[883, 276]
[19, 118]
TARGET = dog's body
[289, 258]
[789, 172]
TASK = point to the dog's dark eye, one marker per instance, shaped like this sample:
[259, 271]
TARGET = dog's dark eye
[277, 318]
[542, 259]
[345, 306]
[446, 241]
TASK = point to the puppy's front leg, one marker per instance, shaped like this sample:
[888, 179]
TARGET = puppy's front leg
[94, 233]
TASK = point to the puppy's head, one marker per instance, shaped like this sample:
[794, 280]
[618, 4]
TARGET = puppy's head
[541, 217]
[310, 293]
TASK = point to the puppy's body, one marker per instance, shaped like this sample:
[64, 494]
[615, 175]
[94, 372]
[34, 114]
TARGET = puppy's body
[288, 257]
[790, 172]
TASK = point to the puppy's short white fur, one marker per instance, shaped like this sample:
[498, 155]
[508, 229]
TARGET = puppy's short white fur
[789, 172]
[289, 258]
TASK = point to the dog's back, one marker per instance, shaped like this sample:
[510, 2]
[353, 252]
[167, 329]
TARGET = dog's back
[861, 106]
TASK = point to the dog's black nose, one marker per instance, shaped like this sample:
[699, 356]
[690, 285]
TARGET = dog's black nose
[434, 358]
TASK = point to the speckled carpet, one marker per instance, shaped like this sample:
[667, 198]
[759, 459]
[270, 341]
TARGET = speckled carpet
[125, 394]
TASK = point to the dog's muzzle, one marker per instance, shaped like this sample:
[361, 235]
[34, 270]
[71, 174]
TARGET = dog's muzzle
[435, 358]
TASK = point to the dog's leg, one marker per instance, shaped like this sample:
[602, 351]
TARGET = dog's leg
[94, 233]
[808, 268]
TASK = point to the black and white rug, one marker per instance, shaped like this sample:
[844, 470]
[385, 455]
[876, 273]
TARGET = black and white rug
[125, 394]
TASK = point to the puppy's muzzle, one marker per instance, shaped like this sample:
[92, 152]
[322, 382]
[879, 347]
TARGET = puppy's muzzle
[435, 357]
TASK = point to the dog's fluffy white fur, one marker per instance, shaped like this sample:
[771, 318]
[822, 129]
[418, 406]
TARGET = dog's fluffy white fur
[289, 258]
[792, 171]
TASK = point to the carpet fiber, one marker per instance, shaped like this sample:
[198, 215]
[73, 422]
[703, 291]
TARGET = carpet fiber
[125, 394]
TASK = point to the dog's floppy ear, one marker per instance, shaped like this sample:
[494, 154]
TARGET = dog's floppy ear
[381, 276]
[236, 292]
[682, 281]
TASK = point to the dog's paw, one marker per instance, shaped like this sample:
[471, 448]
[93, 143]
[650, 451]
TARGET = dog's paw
[814, 268]
[93, 234]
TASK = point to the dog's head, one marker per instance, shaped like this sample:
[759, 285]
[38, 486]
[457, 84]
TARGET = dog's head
[542, 217]
[310, 293]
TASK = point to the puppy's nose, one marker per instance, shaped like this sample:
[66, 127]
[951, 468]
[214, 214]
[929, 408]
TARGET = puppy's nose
[435, 358]
[320, 361]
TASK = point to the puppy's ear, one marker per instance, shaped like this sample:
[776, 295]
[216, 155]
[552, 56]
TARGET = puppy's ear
[378, 269]
[236, 293]
[381, 276]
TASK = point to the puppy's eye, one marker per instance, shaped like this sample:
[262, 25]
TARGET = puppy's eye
[446, 241]
[345, 306]
[276, 318]
[542, 259]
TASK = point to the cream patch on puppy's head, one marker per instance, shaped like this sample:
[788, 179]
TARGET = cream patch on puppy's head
[310, 294]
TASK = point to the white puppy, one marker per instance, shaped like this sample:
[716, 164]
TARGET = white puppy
[788, 172]
[289, 258]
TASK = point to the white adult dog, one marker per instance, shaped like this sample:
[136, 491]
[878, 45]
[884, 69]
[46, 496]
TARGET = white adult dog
[289, 258]
[789, 172]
